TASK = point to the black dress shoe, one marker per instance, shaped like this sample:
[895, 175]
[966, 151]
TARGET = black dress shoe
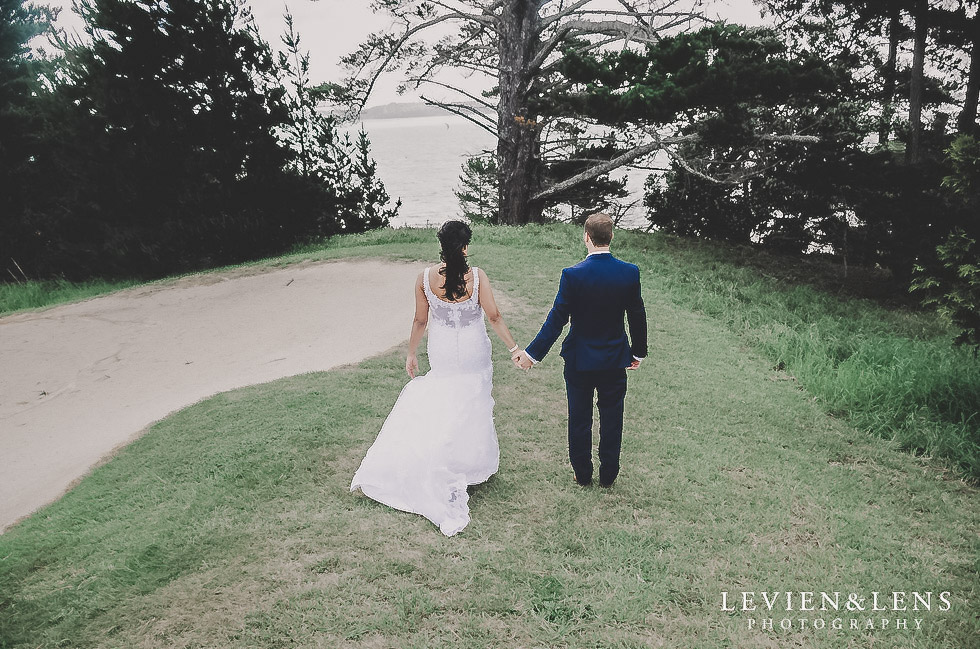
[607, 486]
[581, 484]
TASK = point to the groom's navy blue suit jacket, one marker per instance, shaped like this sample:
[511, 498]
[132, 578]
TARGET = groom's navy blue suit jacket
[595, 295]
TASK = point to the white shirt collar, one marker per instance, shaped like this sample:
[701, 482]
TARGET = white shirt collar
[599, 252]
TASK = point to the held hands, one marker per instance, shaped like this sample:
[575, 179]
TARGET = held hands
[521, 360]
[519, 357]
[412, 365]
[515, 355]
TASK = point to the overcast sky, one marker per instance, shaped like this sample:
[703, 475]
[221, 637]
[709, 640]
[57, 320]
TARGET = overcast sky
[331, 28]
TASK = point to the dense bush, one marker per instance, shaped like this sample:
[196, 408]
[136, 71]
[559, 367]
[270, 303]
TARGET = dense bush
[951, 279]
[164, 145]
[870, 188]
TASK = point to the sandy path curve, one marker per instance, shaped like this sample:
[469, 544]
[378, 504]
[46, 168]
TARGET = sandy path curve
[80, 380]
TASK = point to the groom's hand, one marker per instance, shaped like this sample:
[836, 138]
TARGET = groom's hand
[635, 365]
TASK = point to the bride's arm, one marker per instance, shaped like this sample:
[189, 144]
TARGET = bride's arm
[493, 313]
[418, 327]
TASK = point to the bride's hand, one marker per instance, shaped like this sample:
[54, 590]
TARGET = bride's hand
[412, 365]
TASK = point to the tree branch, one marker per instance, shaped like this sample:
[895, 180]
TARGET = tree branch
[547, 48]
[575, 6]
[810, 139]
[633, 11]
[618, 28]
[409, 32]
[593, 46]
[478, 100]
[457, 109]
[615, 163]
[380, 69]
[459, 13]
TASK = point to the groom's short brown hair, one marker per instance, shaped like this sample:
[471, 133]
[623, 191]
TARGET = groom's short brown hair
[599, 227]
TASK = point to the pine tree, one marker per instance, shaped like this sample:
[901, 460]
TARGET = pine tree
[950, 280]
[371, 196]
[322, 171]
[20, 126]
[180, 162]
[517, 46]
[477, 193]
[735, 100]
[342, 183]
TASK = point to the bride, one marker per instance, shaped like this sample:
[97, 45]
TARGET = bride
[439, 436]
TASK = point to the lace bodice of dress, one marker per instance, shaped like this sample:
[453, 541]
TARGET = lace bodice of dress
[458, 341]
[454, 314]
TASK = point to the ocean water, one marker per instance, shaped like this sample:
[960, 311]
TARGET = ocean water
[420, 160]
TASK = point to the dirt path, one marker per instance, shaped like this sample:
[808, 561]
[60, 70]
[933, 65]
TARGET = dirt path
[80, 380]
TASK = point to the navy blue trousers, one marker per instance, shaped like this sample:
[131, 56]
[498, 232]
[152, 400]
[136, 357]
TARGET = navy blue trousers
[581, 388]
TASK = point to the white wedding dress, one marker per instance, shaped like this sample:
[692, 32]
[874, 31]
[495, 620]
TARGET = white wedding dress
[439, 436]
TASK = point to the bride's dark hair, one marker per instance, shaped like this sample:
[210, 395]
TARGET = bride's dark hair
[453, 237]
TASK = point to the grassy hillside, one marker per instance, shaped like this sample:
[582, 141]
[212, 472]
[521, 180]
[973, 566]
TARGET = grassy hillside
[851, 342]
[747, 466]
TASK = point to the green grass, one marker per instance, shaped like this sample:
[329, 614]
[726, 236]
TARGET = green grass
[35, 294]
[229, 523]
[890, 371]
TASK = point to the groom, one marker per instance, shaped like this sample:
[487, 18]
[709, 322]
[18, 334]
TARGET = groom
[595, 294]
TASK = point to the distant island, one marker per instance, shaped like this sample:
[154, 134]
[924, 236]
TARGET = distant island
[408, 109]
